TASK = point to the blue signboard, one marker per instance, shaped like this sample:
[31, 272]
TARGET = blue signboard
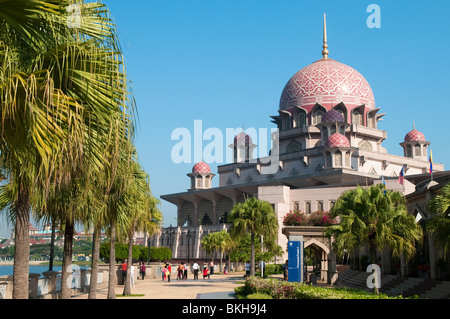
[295, 261]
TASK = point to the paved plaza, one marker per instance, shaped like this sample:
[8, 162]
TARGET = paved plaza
[217, 287]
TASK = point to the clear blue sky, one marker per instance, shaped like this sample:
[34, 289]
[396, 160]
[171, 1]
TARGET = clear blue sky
[226, 63]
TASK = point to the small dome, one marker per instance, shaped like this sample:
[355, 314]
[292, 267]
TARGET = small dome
[201, 167]
[415, 136]
[242, 138]
[332, 116]
[337, 140]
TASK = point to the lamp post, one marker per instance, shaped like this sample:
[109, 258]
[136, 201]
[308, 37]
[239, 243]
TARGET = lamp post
[189, 245]
[148, 244]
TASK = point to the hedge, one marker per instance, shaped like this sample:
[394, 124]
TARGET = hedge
[139, 252]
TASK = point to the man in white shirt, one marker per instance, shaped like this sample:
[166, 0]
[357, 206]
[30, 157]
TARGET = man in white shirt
[195, 267]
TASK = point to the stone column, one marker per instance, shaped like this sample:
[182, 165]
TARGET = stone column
[33, 286]
[51, 275]
[332, 272]
[83, 279]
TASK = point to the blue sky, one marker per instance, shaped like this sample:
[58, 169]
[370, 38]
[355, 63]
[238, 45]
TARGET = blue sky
[227, 62]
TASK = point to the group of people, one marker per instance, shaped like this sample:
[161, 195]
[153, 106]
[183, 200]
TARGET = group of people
[183, 270]
[124, 267]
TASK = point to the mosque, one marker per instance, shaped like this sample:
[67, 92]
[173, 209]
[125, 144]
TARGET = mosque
[327, 142]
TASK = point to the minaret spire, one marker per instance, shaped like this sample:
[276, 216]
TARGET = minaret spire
[325, 45]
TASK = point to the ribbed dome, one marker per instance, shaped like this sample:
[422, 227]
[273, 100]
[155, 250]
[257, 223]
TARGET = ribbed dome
[337, 140]
[242, 138]
[332, 116]
[201, 167]
[327, 82]
[415, 136]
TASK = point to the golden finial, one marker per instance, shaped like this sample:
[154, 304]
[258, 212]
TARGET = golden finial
[325, 45]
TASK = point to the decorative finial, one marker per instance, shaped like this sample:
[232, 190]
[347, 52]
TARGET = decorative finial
[325, 45]
[414, 125]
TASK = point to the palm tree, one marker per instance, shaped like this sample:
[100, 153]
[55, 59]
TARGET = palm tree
[439, 225]
[62, 91]
[143, 211]
[254, 216]
[376, 217]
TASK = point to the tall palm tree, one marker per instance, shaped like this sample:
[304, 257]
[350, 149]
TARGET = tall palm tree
[439, 225]
[376, 217]
[62, 91]
[256, 217]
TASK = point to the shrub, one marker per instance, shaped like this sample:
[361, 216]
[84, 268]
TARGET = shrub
[297, 218]
[278, 289]
[258, 295]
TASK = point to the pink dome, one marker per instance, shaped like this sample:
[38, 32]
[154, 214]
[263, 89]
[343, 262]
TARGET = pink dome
[332, 116]
[201, 167]
[415, 136]
[328, 83]
[242, 138]
[337, 140]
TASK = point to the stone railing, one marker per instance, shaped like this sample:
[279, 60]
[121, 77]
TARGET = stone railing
[48, 285]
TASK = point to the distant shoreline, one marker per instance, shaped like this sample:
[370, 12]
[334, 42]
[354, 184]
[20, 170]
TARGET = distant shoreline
[32, 262]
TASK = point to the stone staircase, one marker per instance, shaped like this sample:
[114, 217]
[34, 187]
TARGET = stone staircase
[395, 285]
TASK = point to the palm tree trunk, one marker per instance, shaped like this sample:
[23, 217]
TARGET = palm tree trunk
[127, 283]
[52, 245]
[21, 245]
[112, 263]
[373, 260]
[94, 265]
[252, 258]
[221, 256]
[66, 289]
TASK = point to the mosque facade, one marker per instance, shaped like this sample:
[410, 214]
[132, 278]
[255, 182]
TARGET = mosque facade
[327, 141]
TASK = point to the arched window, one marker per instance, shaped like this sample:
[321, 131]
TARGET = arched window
[417, 149]
[317, 117]
[338, 158]
[357, 117]
[308, 207]
[199, 182]
[301, 119]
[286, 123]
[409, 151]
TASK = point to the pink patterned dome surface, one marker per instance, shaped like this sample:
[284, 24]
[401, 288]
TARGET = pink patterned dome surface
[327, 82]
[337, 140]
[332, 116]
[414, 136]
[242, 138]
[201, 167]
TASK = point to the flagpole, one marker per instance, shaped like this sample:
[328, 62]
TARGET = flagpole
[431, 164]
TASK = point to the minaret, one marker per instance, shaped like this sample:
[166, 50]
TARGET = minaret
[325, 45]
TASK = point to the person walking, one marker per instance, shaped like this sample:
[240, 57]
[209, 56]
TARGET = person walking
[185, 271]
[205, 272]
[124, 271]
[247, 269]
[142, 270]
[169, 268]
[165, 272]
[195, 267]
[211, 267]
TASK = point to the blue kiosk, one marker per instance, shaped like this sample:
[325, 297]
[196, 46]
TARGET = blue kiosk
[295, 259]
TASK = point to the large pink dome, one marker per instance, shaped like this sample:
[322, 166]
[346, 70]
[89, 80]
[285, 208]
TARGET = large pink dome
[328, 83]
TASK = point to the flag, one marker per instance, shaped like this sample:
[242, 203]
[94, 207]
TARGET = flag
[431, 162]
[401, 177]
[384, 184]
